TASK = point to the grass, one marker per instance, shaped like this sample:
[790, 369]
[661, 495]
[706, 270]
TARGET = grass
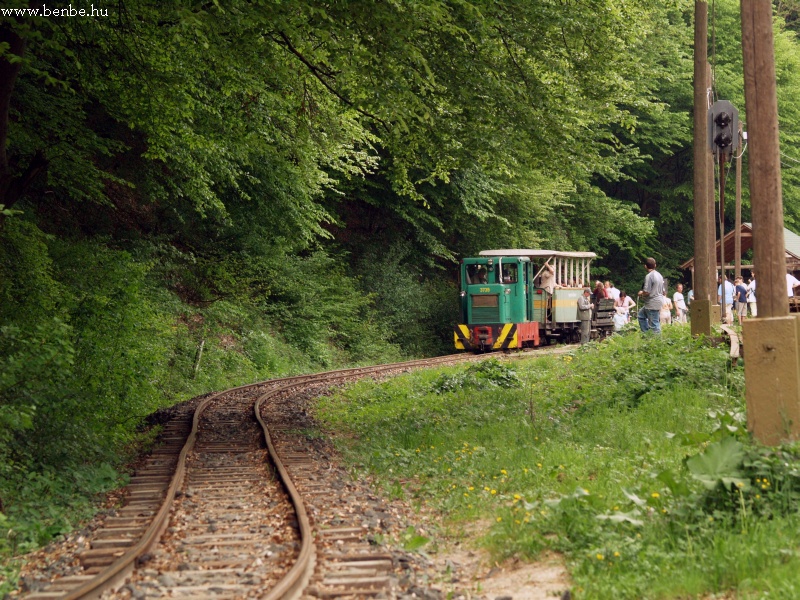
[588, 454]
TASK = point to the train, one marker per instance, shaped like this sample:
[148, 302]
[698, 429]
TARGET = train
[517, 298]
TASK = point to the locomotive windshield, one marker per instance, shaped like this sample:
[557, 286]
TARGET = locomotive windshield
[478, 274]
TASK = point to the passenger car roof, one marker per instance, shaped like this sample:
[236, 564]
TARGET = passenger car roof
[537, 253]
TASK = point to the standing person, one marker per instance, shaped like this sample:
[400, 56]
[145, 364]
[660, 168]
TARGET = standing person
[652, 293]
[548, 277]
[791, 283]
[727, 296]
[665, 314]
[585, 315]
[599, 292]
[740, 299]
[751, 295]
[624, 304]
[611, 291]
[681, 310]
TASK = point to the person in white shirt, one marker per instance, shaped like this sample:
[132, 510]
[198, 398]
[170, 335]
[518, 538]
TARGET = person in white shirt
[665, 315]
[623, 304]
[727, 297]
[681, 309]
[611, 291]
[791, 283]
[751, 295]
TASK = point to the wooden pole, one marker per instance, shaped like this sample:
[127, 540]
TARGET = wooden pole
[764, 157]
[772, 368]
[737, 236]
[711, 206]
[702, 282]
[723, 305]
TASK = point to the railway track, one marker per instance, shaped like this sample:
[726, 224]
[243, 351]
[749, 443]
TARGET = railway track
[238, 501]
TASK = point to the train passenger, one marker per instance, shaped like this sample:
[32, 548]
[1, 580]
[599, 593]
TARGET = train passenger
[680, 304]
[624, 304]
[509, 273]
[611, 291]
[547, 279]
[652, 292]
[665, 314]
[791, 283]
[751, 295]
[585, 315]
[480, 275]
[727, 297]
[740, 299]
[599, 292]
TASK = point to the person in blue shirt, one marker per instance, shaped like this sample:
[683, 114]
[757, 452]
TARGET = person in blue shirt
[728, 298]
[740, 297]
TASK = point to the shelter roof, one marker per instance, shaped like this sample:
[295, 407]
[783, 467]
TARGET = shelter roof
[791, 242]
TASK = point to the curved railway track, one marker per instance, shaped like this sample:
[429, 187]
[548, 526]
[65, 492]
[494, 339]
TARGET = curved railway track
[237, 501]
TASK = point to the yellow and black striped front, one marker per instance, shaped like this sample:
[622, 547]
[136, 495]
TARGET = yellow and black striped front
[507, 338]
[483, 337]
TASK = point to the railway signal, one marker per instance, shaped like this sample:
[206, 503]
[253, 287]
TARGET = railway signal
[723, 128]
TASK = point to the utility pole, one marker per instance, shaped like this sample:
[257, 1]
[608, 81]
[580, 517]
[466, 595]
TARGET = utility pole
[723, 302]
[737, 236]
[703, 286]
[772, 367]
[723, 123]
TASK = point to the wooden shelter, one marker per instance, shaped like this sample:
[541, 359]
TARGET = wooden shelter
[791, 243]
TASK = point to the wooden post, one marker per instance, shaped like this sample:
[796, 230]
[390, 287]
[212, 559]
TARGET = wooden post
[723, 302]
[197, 358]
[772, 340]
[702, 280]
[737, 236]
[764, 157]
[714, 264]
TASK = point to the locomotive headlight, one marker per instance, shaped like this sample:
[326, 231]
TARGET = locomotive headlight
[508, 290]
[462, 293]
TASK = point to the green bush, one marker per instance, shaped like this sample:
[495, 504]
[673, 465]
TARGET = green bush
[416, 310]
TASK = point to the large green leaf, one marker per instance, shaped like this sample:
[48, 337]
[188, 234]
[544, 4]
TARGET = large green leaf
[720, 463]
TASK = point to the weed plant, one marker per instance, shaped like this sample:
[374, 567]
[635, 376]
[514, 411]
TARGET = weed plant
[629, 457]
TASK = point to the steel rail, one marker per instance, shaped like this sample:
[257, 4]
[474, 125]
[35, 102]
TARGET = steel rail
[292, 584]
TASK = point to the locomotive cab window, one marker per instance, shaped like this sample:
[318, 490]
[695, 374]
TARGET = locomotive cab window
[477, 274]
[510, 273]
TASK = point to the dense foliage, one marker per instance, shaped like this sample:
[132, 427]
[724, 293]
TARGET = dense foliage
[643, 478]
[194, 195]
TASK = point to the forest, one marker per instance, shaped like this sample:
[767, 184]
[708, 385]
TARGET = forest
[199, 195]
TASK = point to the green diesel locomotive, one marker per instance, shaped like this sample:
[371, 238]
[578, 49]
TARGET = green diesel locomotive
[525, 298]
